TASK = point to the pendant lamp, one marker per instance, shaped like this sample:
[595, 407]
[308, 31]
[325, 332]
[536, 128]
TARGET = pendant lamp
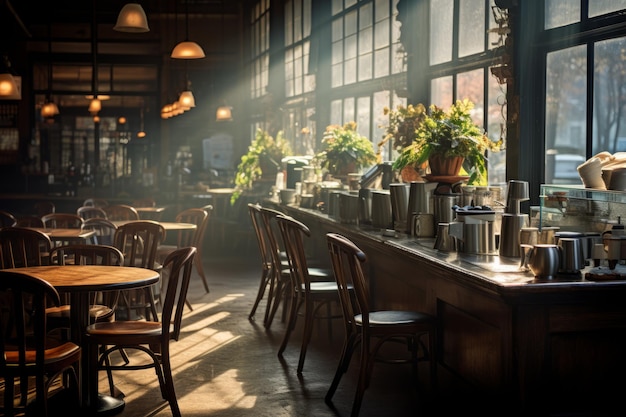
[132, 18]
[224, 113]
[187, 49]
[8, 86]
[49, 109]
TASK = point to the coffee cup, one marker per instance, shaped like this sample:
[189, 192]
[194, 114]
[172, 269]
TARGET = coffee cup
[590, 173]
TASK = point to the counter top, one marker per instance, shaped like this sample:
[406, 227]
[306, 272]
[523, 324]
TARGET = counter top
[492, 272]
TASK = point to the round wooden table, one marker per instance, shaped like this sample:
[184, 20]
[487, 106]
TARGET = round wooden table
[79, 281]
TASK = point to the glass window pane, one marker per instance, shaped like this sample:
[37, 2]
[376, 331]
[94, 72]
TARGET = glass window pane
[365, 40]
[337, 30]
[496, 128]
[566, 103]
[599, 7]
[337, 53]
[335, 112]
[471, 85]
[365, 67]
[441, 91]
[441, 31]
[350, 23]
[471, 27]
[561, 12]
[349, 71]
[337, 75]
[363, 116]
[348, 110]
[350, 47]
[365, 16]
[609, 102]
[381, 66]
[382, 34]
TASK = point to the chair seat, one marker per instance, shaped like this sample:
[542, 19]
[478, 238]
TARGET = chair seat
[96, 311]
[388, 318]
[121, 328]
[61, 353]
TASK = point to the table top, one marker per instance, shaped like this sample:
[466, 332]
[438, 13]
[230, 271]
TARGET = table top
[91, 277]
[150, 209]
[61, 234]
[166, 225]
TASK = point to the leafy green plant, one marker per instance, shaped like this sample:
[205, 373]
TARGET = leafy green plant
[264, 150]
[449, 134]
[343, 146]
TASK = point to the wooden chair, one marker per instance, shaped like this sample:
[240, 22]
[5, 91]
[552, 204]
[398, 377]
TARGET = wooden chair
[95, 202]
[105, 230]
[372, 329]
[104, 304]
[312, 295]
[144, 202]
[44, 207]
[267, 273]
[62, 221]
[7, 219]
[21, 247]
[90, 212]
[152, 338]
[281, 289]
[199, 217]
[121, 212]
[30, 221]
[138, 241]
[25, 350]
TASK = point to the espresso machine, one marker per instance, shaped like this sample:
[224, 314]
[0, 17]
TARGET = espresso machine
[513, 220]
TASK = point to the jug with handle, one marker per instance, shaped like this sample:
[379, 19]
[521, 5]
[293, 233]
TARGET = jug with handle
[543, 260]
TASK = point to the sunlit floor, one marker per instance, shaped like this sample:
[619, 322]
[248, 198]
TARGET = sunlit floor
[226, 365]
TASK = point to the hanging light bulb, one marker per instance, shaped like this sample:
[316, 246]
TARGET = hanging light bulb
[132, 18]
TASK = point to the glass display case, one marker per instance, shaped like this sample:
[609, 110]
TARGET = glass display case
[576, 208]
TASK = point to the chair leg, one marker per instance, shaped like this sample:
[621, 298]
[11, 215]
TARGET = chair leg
[294, 306]
[364, 375]
[275, 297]
[169, 382]
[261, 292]
[200, 269]
[309, 312]
[349, 345]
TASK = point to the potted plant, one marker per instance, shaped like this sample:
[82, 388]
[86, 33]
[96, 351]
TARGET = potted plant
[263, 159]
[345, 150]
[451, 135]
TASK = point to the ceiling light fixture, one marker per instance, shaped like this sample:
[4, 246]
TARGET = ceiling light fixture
[8, 85]
[49, 108]
[224, 113]
[132, 18]
[187, 49]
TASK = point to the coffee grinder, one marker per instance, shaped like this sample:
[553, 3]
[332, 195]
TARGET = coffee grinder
[512, 219]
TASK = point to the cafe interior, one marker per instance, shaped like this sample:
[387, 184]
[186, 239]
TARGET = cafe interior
[131, 143]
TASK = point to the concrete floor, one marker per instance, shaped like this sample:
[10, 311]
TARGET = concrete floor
[226, 365]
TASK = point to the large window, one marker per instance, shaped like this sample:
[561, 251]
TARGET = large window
[260, 38]
[365, 49]
[585, 76]
[297, 44]
[462, 55]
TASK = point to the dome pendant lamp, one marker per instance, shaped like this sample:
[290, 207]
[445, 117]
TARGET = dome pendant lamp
[187, 49]
[8, 86]
[49, 109]
[132, 18]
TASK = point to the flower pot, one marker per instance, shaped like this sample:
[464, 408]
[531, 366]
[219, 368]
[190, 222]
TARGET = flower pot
[443, 166]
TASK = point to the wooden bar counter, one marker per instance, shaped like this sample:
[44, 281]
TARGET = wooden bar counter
[508, 344]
